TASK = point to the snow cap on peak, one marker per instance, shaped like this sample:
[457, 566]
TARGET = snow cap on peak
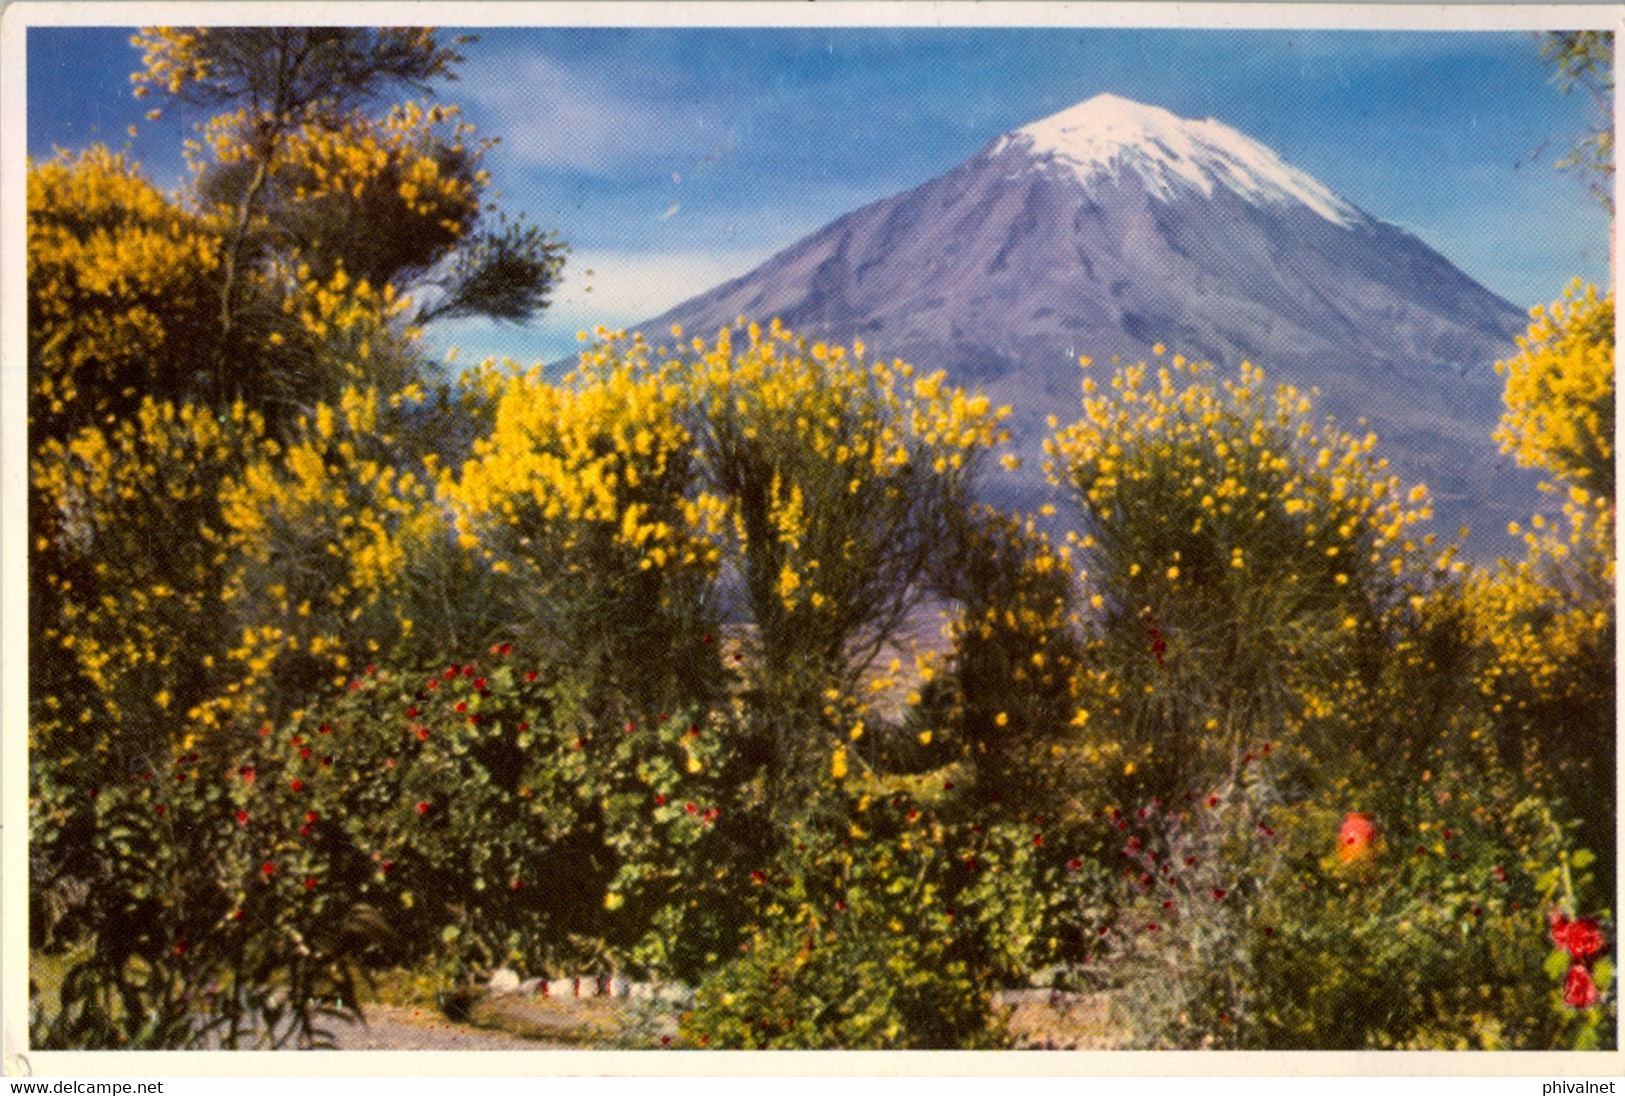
[1107, 135]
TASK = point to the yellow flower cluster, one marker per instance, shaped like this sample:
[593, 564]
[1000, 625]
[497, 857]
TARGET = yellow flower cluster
[1225, 471]
[399, 158]
[602, 453]
[1560, 391]
[838, 449]
[321, 530]
[130, 553]
[120, 286]
[1240, 561]
[170, 59]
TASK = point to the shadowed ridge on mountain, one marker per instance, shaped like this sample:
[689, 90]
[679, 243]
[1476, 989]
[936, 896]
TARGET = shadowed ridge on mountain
[1113, 226]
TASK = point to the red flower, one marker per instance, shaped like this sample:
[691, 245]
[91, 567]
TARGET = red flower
[758, 878]
[310, 884]
[161, 809]
[1213, 801]
[305, 752]
[530, 675]
[659, 800]
[324, 729]
[1579, 990]
[412, 711]
[1582, 938]
[179, 948]
[1038, 840]
[1357, 840]
[242, 818]
[267, 867]
[1074, 864]
[479, 684]
[451, 672]
[236, 915]
[423, 808]
[461, 706]
[423, 733]
[1219, 893]
[310, 816]
[297, 785]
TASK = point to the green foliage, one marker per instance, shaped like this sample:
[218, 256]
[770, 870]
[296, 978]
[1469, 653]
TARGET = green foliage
[1586, 59]
[1260, 769]
[1017, 653]
[1241, 562]
[855, 945]
[178, 936]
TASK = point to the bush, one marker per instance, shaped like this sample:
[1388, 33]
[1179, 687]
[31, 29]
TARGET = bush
[1255, 921]
[856, 943]
[1240, 563]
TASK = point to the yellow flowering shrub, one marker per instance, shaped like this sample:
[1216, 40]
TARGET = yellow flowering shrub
[838, 479]
[1239, 560]
[838, 476]
[1546, 623]
[373, 195]
[584, 496]
[320, 530]
[1560, 392]
[129, 559]
[121, 300]
[1015, 658]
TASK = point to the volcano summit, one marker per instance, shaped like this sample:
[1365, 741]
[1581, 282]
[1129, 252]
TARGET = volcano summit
[1114, 226]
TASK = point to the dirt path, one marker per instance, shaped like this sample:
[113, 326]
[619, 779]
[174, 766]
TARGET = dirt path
[414, 1027]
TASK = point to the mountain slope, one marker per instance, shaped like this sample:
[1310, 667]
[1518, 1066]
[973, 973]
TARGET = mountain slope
[1114, 226]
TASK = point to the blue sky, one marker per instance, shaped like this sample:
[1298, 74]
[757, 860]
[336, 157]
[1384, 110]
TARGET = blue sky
[670, 159]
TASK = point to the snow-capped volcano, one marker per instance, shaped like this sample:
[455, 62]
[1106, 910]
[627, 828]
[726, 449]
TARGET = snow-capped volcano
[1108, 135]
[1113, 226]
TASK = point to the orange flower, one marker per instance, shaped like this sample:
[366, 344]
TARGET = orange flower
[1357, 840]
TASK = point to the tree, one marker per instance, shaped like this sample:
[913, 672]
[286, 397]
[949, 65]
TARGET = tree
[1546, 623]
[1241, 562]
[1586, 59]
[1560, 392]
[121, 285]
[302, 177]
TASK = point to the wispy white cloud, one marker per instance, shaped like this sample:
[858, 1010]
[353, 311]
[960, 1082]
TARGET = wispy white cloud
[626, 287]
[554, 115]
[612, 289]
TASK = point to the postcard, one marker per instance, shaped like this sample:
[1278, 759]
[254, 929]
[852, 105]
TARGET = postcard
[954, 540]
